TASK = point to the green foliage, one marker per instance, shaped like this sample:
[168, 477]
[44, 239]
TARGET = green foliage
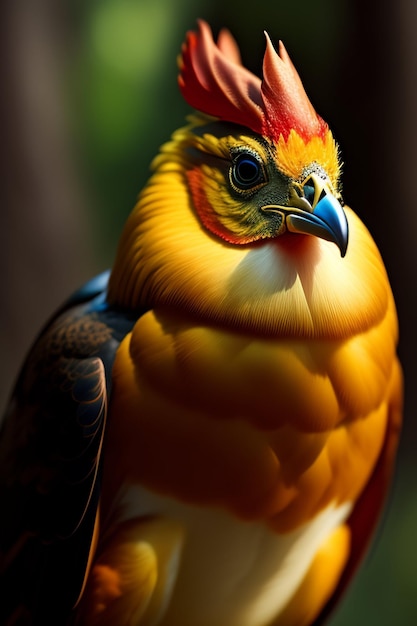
[126, 100]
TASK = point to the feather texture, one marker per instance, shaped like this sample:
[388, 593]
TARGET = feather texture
[207, 436]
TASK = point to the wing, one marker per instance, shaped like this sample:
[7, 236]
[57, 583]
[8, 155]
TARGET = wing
[50, 450]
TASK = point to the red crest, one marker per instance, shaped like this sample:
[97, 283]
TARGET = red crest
[213, 80]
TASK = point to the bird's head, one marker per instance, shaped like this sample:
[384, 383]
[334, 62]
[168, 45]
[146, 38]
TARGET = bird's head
[278, 170]
[242, 221]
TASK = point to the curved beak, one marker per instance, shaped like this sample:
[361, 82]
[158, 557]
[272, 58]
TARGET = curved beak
[313, 210]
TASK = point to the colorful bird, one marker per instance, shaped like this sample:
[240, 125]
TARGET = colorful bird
[206, 437]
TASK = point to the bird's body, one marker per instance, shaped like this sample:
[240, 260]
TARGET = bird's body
[242, 365]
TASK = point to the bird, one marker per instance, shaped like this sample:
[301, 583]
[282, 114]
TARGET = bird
[206, 434]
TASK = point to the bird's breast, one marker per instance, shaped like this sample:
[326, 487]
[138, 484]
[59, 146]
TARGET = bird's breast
[233, 573]
[270, 430]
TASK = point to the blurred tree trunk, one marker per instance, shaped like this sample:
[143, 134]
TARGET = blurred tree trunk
[379, 84]
[43, 236]
[404, 202]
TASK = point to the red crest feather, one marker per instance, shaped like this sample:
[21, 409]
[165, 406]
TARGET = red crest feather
[213, 80]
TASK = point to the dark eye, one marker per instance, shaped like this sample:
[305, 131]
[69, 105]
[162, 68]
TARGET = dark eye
[246, 171]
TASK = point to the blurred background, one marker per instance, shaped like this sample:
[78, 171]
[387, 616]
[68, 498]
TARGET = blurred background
[89, 93]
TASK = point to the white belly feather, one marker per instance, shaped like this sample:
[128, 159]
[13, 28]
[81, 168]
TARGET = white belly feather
[232, 573]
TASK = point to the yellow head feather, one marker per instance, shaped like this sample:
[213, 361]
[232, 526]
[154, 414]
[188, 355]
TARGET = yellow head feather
[286, 286]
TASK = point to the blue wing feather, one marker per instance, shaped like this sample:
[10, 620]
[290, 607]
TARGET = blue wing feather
[50, 458]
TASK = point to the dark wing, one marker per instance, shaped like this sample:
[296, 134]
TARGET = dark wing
[50, 450]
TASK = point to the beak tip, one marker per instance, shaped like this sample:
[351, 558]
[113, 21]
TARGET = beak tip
[331, 212]
[342, 239]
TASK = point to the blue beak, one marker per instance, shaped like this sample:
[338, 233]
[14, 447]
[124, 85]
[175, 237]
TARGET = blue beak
[327, 221]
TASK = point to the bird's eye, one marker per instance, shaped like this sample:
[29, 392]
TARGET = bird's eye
[246, 171]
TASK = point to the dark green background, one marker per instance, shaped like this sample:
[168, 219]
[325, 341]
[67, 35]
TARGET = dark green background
[111, 65]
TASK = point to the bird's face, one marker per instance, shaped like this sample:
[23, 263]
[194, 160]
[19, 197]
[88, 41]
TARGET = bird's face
[247, 188]
[236, 229]
[241, 223]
